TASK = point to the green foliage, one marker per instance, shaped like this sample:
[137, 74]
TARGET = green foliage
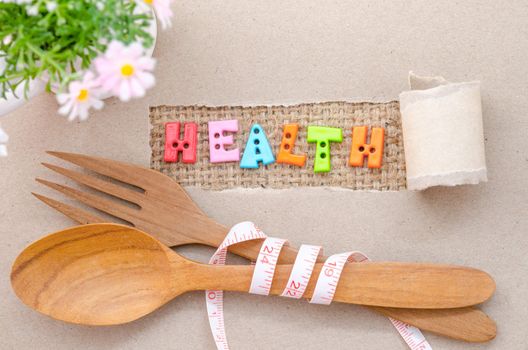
[55, 44]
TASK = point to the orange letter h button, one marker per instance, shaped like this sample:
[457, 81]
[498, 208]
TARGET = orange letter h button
[360, 149]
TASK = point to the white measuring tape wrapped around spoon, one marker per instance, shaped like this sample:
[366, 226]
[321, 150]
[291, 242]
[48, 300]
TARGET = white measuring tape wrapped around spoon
[325, 287]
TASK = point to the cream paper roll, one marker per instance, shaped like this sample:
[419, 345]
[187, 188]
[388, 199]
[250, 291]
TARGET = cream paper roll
[442, 133]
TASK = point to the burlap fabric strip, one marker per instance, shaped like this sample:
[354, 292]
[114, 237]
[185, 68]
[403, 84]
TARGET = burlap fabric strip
[345, 115]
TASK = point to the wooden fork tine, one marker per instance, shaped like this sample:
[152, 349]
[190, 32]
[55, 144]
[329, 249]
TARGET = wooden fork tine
[123, 172]
[155, 183]
[110, 207]
[81, 216]
[98, 184]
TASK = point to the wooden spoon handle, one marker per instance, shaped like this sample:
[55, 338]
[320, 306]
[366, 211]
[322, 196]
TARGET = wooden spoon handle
[387, 284]
[467, 324]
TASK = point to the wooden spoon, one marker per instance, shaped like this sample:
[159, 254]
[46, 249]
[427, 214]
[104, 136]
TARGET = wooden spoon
[104, 274]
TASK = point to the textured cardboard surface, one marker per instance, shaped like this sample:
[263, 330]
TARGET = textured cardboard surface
[273, 52]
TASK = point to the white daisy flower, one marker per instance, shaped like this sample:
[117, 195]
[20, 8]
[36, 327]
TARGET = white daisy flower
[7, 39]
[163, 11]
[125, 71]
[51, 6]
[80, 97]
[32, 10]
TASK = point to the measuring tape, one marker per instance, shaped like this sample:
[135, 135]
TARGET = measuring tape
[265, 266]
[302, 271]
[264, 271]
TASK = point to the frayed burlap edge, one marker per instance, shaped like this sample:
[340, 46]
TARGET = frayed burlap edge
[345, 115]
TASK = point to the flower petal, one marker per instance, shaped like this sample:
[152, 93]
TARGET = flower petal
[125, 91]
[66, 108]
[88, 78]
[146, 79]
[146, 63]
[135, 50]
[114, 49]
[73, 113]
[83, 112]
[136, 88]
[3, 136]
[75, 87]
[97, 104]
[110, 82]
[103, 65]
[62, 98]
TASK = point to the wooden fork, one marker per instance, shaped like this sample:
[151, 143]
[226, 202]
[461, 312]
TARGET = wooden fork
[168, 213]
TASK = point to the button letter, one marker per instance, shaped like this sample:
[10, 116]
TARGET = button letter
[173, 144]
[323, 136]
[217, 141]
[288, 142]
[360, 149]
[257, 149]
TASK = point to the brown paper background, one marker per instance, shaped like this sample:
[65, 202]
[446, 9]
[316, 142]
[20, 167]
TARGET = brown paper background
[239, 52]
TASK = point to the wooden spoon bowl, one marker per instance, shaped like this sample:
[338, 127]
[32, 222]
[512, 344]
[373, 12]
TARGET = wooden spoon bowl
[92, 277]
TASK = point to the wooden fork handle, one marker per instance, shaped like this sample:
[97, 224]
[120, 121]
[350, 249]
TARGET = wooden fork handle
[467, 324]
[387, 284]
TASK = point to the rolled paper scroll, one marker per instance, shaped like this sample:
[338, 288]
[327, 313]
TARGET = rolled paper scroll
[442, 133]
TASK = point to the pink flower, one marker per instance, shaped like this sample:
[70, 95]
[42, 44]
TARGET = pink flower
[162, 10]
[125, 71]
[80, 97]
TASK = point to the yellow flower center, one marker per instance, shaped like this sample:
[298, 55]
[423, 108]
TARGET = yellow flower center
[83, 95]
[127, 70]
[149, 2]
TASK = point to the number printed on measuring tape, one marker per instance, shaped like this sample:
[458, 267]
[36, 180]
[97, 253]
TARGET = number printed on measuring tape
[298, 280]
[265, 266]
[329, 276]
[302, 271]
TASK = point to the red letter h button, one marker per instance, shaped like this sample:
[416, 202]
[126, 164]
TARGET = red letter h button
[187, 146]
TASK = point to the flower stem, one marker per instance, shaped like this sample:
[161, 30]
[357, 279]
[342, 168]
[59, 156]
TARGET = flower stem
[45, 58]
